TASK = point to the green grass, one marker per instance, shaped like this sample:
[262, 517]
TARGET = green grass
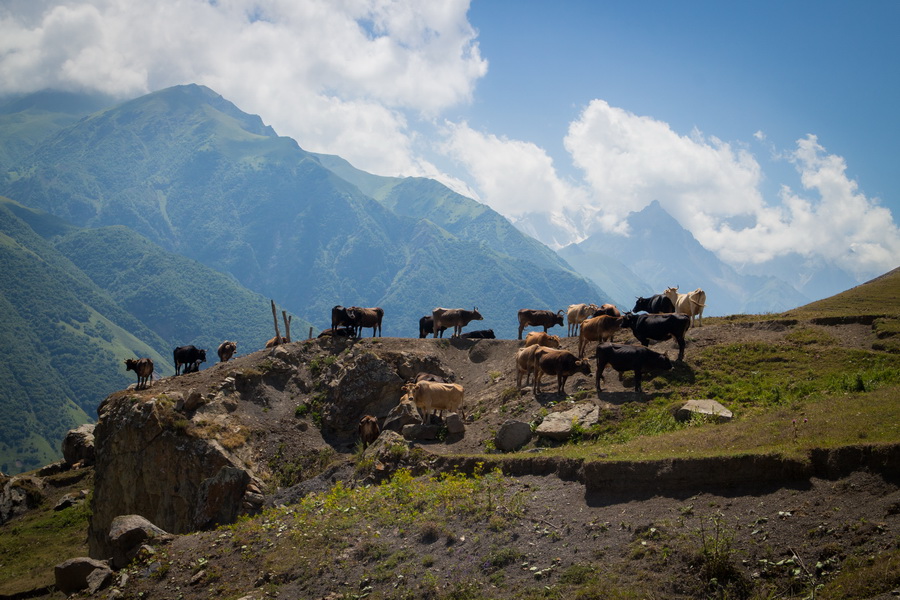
[31, 544]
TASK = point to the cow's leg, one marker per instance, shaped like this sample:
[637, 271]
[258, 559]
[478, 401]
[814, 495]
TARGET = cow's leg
[637, 380]
[561, 383]
[680, 341]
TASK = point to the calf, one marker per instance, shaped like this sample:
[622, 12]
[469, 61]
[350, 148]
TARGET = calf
[525, 358]
[226, 350]
[481, 334]
[276, 341]
[597, 329]
[346, 332]
[143, 368]
[190, 357]
[609, 310]
[368, 430]
[658, 328]
[342, 317]
[541, 338]
[629, 358]
[431, 396]
[561, 363]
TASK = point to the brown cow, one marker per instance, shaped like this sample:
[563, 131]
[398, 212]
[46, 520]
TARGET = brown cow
[529, 317]
[367, 317]
[597, 329]
[457, 318]
[609, 310]
[368, 430]
[541, 338]
[143, 367]
[431, 396]
[561, 363]
[578, 313]
[226, 350]
[276, 341]
[525, 358]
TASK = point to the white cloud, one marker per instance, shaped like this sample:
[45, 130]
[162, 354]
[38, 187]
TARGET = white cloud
[514, 177]
[342, 77]
[629, 161]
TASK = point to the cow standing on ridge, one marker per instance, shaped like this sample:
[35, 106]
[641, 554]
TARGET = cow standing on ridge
[457, 318]
[529, 317]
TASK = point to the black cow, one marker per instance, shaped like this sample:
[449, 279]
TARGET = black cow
[658, 328]
[341, 316]
[426, 326]
[339, 332]
[190, 357]
[481, 334]
[629, 358]
[656, 304]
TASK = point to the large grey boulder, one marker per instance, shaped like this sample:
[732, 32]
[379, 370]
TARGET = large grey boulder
[79, 573]
[128, 533]
[558, 425]
[512, 435]
[78, 445]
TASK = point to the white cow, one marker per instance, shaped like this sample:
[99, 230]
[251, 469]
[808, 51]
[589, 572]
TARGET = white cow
[690, 304]
[578, 313]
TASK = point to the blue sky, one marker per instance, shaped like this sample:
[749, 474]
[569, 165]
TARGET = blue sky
[765, 128]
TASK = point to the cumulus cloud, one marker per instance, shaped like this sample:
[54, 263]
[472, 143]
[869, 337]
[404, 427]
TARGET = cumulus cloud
[514, 177]
[339, 76]
[629, 160]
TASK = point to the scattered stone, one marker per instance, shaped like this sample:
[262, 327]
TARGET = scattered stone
[72, 575]
[421, 432]
[558, 425]
[78, 445]
[194, 400]
[512, 435]
[703, 407]
[70, 500]
[198, 577]
[127, 535]
[20, 494]
[454, 424]
[99, 579]
[52, 469]
[400, 416]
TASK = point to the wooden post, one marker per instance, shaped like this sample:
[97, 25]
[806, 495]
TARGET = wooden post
[287, 326]
[275, 318]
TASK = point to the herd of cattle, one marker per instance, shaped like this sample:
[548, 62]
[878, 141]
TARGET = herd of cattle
[663, 316]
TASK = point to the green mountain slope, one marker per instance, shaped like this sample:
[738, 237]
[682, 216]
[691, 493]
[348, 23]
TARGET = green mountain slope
[181, 300]
[62, 344]
[192, 173]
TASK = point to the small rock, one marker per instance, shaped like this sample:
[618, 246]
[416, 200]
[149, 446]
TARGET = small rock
[558, 425]
[703, 407]
[454, 424]
[72, 575]
[421, 432]
[512, 435]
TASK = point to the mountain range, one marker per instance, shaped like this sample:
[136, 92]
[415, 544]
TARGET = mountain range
[174, 218]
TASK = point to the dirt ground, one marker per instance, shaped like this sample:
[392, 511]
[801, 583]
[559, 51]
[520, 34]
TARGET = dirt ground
[774, 540]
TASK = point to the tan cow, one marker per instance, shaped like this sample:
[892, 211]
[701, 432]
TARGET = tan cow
[525, 358]
[541, 338]
[143, 367]
[561, 363]
[226, 350]
[597, 329]
[367, 317]
[431, 396]
[690, 304]
[577, 314]
[457, 318]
